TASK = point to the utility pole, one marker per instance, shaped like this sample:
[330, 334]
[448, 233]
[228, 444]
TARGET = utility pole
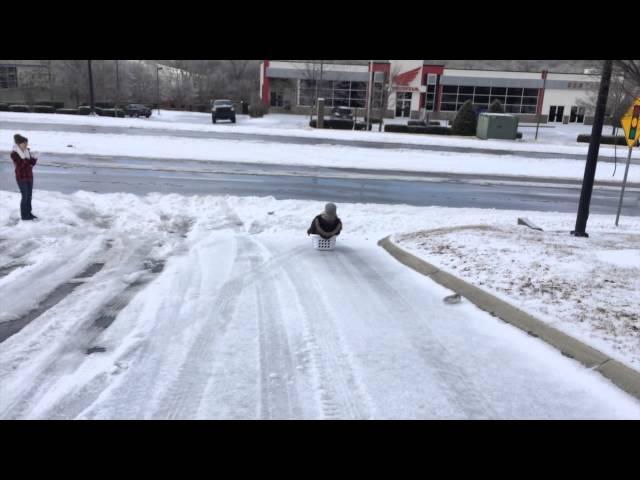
[544, 87]
[315, 95]
[158, 68]
[369, 95]
[384, 95]
[50, 83]
[592, 155]
[117, 85]
[91, 89]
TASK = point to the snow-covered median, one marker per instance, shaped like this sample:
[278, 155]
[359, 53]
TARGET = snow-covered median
[312, 155]
[559, 139]
[586, 287]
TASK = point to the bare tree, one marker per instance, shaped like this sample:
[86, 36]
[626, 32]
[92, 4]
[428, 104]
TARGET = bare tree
[382, 94]
[140, 83]
[631, 71]
[621, 94]
[70, 79]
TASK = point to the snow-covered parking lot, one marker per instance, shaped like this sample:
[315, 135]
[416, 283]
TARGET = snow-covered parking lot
[217, 307]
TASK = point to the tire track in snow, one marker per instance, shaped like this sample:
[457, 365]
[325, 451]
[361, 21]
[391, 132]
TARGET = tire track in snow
[12, 327]
[70, 355]
[341, 394]
[185, 395]
[131, 395]
[279, 398]
[112, 308]
[456, 382]
[7, 269]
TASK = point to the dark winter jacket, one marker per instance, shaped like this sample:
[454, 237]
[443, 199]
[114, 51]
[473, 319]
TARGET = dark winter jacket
[325, 228]
[24, 167]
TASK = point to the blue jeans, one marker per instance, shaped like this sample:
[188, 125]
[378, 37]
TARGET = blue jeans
[26, 189]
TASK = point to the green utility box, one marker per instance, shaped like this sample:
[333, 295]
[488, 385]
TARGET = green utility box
[497, 125]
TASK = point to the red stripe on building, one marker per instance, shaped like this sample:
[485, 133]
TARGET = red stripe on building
[436, 69]
[380, 67]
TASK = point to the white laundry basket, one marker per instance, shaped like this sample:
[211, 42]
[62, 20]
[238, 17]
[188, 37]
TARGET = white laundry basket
[320, 243]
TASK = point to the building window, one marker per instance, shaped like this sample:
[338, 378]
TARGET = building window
[515, 100]
[430, 98]
[8, 77]
[577, 114]
[403, 104]
[335, 93]
[277, 99]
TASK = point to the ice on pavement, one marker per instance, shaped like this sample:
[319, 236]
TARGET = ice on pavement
[246, 320]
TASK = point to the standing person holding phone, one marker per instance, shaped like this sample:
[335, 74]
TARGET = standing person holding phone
[24, 162]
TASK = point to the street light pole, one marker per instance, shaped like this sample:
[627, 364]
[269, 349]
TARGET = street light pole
[592, 155]
[91, 89]
[117, 85]
[158, 68]
[544, 87]
[50, 86]
[369, 95]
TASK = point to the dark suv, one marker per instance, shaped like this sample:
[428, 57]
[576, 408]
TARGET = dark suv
[223, 110]
[137, 110]
[342, 112]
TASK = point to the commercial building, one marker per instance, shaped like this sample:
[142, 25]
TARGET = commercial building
[417, 89]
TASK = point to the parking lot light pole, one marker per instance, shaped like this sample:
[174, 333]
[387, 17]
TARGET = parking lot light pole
[369, 95]
[158, 68]
[93, 111]
[544, 87]
[117, 85]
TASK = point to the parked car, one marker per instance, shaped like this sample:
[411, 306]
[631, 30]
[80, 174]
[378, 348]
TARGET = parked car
[223, 110]
[344, 113]
[137, 110]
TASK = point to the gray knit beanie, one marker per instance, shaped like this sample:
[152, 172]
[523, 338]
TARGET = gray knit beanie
[330, 209]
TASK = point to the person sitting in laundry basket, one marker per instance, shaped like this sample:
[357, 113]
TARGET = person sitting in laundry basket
[327, 224]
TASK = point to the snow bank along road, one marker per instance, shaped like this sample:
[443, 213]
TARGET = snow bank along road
[313, 137]
[218, 307]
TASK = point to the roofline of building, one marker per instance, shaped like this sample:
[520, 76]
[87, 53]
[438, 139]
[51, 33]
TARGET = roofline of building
[508, 71]
[427, 63]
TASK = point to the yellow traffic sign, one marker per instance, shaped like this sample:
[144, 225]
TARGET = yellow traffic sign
[630, 122]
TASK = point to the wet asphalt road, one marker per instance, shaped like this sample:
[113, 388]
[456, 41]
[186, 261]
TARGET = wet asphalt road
[455, 191]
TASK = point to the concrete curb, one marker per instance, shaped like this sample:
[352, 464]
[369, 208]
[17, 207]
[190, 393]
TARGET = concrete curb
[622, 376]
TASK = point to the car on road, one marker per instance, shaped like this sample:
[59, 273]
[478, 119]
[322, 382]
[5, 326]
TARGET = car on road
[137, 110]
[223, 110]
[344, 113]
